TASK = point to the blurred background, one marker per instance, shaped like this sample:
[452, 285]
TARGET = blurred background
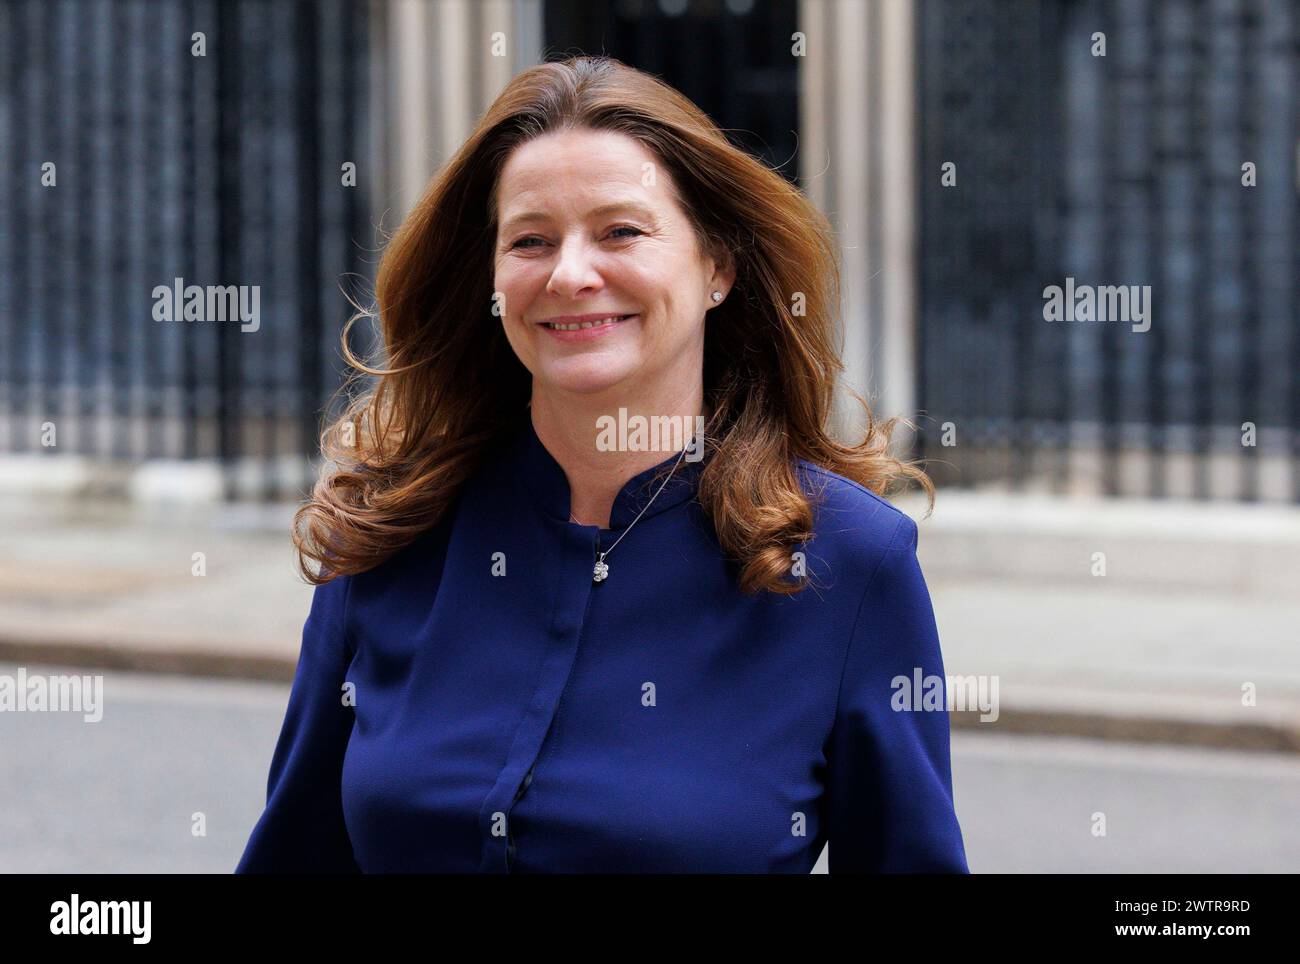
[1116, 540]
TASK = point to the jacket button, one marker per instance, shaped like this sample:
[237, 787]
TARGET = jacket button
[528, 778]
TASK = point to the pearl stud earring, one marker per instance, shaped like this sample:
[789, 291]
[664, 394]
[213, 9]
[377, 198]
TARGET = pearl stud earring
[717, 296]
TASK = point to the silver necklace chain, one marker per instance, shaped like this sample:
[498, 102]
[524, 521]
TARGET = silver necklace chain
[601, 570]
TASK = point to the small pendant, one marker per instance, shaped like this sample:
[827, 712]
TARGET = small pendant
[601, 570]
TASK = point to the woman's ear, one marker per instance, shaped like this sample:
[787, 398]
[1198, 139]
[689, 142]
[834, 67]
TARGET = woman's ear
[724, 272]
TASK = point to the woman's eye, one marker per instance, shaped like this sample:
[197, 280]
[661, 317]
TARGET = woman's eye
[522, 242]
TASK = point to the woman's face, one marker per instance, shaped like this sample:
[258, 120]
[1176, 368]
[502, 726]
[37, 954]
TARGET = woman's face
[589, 228]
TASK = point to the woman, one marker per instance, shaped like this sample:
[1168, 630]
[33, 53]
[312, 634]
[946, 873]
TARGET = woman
[548, 637]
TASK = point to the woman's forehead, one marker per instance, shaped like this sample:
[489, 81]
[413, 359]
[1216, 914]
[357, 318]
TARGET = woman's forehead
[592, 161]
[541, 196]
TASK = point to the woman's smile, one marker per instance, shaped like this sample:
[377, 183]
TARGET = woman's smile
[586, 330]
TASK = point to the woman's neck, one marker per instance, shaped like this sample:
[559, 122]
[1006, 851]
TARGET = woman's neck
[599, 448]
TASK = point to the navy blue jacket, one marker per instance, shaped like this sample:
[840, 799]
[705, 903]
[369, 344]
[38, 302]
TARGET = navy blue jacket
[478, 704]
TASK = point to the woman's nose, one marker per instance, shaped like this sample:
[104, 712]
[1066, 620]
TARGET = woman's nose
[574, 270]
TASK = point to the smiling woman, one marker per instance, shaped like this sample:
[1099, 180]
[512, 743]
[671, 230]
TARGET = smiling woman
[609, 304]
[720, 698]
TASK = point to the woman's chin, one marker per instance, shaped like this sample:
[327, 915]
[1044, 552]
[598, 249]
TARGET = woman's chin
[585, 376]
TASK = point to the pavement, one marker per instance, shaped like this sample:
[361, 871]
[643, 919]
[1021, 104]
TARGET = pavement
[1197, 605]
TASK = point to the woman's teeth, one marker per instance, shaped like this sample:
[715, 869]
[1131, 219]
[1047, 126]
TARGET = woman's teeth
[586, 324]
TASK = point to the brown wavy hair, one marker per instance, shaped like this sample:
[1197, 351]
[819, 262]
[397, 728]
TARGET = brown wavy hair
[402, 449]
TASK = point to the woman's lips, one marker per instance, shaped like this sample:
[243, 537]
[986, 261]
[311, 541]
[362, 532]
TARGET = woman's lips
[587, 334]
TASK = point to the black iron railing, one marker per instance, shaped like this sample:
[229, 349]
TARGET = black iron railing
[197, 140]
[1117, 170]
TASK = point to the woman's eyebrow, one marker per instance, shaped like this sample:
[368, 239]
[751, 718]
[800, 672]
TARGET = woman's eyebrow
[613, 206]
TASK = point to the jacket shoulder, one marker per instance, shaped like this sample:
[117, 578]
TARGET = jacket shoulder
[840, 500]
[854, 528]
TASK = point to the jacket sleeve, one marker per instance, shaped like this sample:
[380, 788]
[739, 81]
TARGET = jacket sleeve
[302, 829]
[889, 782]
